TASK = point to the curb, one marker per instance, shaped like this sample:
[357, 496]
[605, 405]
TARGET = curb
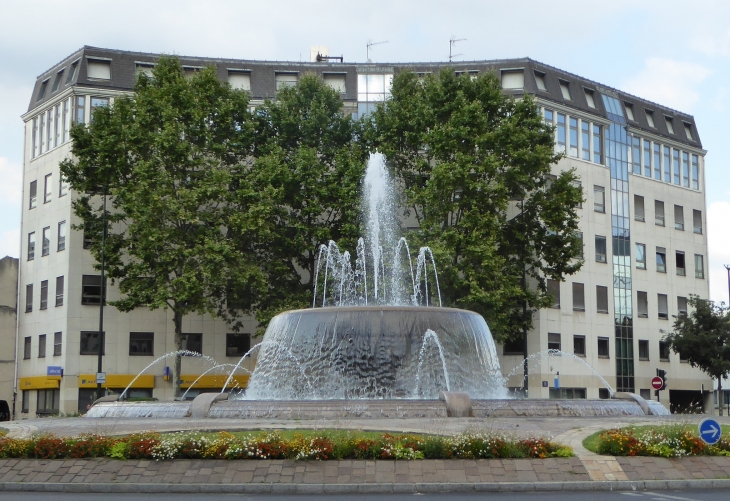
[387, 488]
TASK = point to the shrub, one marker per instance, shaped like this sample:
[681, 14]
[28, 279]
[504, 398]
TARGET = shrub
[142, 446]
[49, 447]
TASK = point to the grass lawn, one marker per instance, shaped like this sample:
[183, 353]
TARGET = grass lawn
[591, 441]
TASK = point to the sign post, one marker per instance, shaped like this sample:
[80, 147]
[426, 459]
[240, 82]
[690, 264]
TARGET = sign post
[101, 378]
[710, 431]
[657, 383]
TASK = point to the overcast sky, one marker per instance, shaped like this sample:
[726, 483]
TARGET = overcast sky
[674, 52]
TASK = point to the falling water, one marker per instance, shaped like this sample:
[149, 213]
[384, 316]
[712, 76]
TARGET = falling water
[184, 353]
[431, 335]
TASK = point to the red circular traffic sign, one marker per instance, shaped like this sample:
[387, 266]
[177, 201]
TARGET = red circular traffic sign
[657, 383]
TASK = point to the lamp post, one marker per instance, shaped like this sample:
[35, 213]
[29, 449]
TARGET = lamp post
[101, 302]
[720, 396]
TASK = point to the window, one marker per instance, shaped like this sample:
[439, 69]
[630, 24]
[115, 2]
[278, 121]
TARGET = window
[688, 131]
[237, 345]
[61, 236]
[679, 256]
[97, 102]
[57, 126]
[31, 246]
[636, 154]
[573, 122]
[643, 349]
[42, 346]
[629, 111]
[549, 116]
[57, 343]
[540, 81]
[679, 217]
[661, 259]
[336, 81]
[699, 266]
[98, 69]
[240, 80]
[579, 297]
[148, 69]
[601, 299]
[513, 79]
[663, 351]
[589, 98]
[141, 344]
[579, 345]
[33, 195]
[585, 140]
[675, 164]
[599, 199]
[579, 236]
[561, 133]
[681, 306]
[662, 307]
[568, 393]
[600, 249]
[48, 401]
[49, 130]
[603, 393]
[42, 134]
[26, 348]
[597, 154]
[658, 213]
[192, 342]
[657, 162]
[641, 256]
[284, 80]
[667, 165]
[90, 343]
[46, 241]
[695, 173]
[88, 237]
[80, 109]
[62, 187]
[603, 347]
[44, 294]
[42, 90]
[647, 158]
[650, 118]
[514, 346]
[579, 185]
[565, 89]
[72, 72]
[639, 208]
[28, 298]
[670, 126]
[372, 88]
[25, 401]
[553, 341]
[553, 289]
[642, 302]
[91, 290]
[59, 291]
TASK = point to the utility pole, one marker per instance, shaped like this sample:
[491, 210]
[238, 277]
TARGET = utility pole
[101, 302]
[452, 41]
[367, 51]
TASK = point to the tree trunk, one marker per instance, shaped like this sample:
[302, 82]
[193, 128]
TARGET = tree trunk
[177, 363]
[720, 400]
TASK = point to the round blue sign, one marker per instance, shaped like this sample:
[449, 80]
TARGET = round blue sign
[710, 431]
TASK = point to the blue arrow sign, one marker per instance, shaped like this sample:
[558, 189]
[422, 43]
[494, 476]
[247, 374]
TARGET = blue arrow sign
[710, 431]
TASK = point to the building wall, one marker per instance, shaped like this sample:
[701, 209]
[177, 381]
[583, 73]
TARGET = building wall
[8, 295]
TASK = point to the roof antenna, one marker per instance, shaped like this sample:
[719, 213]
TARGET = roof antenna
[452, 41]
[370, 44]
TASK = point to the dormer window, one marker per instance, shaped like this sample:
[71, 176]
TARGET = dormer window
[72, 72]
[650, 118]
[589, 98]
[98, 69]
[513, 79]
[688, 131]
[670, 125]
[57, 81]
[629, 112]
[565, 90]
[540, 81]
[42, 90]
[240, 80]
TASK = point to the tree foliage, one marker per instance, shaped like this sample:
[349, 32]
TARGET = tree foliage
[475, 167]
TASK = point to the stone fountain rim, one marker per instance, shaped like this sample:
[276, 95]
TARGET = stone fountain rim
[435, 309]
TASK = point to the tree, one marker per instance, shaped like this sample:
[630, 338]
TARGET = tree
[167, 157]
[703, 338]
[475, 167]
[310, 163]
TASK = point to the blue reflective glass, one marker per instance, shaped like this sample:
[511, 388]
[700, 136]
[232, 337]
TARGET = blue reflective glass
[657, 162]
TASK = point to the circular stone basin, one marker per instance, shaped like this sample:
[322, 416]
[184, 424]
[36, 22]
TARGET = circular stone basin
[376, 353]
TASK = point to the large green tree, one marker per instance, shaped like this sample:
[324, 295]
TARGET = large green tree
[703, 338]
[475, 165]
[168, 158]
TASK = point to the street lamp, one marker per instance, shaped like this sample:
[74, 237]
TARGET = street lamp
[101, 303]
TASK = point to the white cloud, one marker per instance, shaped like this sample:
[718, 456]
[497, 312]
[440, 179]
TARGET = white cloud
[672, 83]
[718, 243]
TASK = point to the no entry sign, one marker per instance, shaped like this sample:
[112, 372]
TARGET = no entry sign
[657, 383]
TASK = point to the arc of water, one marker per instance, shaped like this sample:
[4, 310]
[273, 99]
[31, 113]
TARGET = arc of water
[322, 248]
[178, 352]
[363, 267]
[402, 242]
[434, 337]
[206, 372]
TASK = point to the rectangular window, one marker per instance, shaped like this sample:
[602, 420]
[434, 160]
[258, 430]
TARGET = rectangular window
[72, 72]
[667, 165]
[636, 154]
[679, 255]
[641, 256]
[35, 138]
[663, 351]
[662, 307]
[59, 290]
[141, 344]
[97, 102]
[549, 116]
[579, 297]
[675, 164]
[682, 306]
[553, 290]
[657, 162]
[65, 121]
[31, 246]
[688, 131]
[699, 266]
[661, 259]
[44, 294]
[589, 98]
[670, 126]
[42, 346]
[90, 343]
[58, 126]
[33, 195]
[336, 81]
[599, 199]
[28, 298]
[601, 299]
[99, 69]
[553, 341]
[679, 217]
[46, 241]
[597, 151]
[48, 401]
[513, 347]
[585, 140]
[57, 344]
[80, 109]
[579, 346]
[565, 89]
[240, 80]
[601, 249]
[540, 81]
[88, 237]
[642, 301]
[658, 213]
[62, 187]
[61, 236]
[603, 347]
[42, 90]
[26, 348]
[579, 185]
[647, 158]
[650, 118]
[561, 133]
[643, 349]
[49, 130]
[192, 342]
[629, 112]
[284, 80]
[579, 236]
[42, 134]
[573, 122]
[695, 172]
[91, 289]
[639, 208]
[237, 345]
[25, 402]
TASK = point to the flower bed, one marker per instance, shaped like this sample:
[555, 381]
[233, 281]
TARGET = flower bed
[666, 441]
[273, 445]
